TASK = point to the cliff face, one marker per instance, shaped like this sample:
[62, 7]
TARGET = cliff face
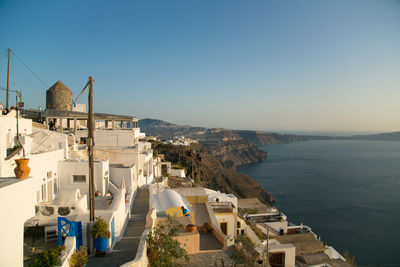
[214, 159]
[209, 172]
[230, 147]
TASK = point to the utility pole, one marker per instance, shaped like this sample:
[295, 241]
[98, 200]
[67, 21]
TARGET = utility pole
[91, 159]
[8, 77]
[16, 110]
[91, 156]
[192, 165]
[267, 257]
[155, 176]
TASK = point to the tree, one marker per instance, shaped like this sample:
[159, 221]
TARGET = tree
[162, 248]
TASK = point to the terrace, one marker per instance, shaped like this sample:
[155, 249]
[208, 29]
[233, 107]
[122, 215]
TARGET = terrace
[222, 207]
[267, 217]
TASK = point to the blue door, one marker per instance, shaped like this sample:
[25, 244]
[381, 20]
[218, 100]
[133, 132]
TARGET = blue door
[112, 231]
[69, 228]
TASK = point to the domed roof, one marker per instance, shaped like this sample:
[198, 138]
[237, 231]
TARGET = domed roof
[58, 86]
[170, 198]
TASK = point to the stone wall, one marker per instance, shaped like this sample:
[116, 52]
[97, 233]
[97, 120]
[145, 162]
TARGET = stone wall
[59, 100]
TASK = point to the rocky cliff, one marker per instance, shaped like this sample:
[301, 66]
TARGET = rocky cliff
[230, 147]
[209, 172]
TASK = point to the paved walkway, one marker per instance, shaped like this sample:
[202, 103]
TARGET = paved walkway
[125, 249]
[200, 214]
[209, 242]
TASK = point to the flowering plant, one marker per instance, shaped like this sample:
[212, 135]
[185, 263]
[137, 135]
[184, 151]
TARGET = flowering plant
[48, 258]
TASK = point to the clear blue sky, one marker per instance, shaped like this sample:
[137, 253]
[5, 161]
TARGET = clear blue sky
[277, 65]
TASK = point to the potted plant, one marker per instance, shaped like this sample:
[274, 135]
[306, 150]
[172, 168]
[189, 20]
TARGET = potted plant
[101, 234]
[190, 227]
[79, 258]
[206, 228]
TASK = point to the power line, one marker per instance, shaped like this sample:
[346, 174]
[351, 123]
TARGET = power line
[5, 89]
[43, 140]
[26, 66]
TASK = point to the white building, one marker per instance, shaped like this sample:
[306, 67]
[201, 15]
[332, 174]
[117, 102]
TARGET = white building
[119, 172]
[74, 174]
[284, 254]
[59, 175]
[18, 197]
[178, 173]
[17, 205]
[140, 155]
[221, 207]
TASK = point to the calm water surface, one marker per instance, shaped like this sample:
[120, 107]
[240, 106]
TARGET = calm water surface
[348, 192]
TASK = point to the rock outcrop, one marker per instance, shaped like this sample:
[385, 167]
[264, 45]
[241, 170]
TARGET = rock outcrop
[209, 172]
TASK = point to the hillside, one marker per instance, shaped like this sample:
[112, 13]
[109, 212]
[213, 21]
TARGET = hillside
[210, 173]
[230, 147]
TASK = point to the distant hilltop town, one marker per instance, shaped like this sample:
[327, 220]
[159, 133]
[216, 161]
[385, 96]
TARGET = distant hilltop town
[180, 141]
[47, 198]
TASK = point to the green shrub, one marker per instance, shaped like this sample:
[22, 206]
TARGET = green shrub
[248, 211]
[247, 255]
[79, 258]
[162, 248]
[48, 258]
[257, 231]
[100, 228]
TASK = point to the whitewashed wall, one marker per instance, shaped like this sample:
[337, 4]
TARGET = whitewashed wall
[8, 131]
[230, 219]
[178, 173]
[129, 175]
[67, 169]
[17, 205]
[111, 138]
[44, 169]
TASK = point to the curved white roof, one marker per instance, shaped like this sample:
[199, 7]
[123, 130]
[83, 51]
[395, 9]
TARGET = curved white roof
[169, 198]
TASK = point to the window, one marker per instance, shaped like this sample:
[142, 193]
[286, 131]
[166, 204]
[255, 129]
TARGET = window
[79, 178]
[83, 140]
[43, 192]
[55, 186]
[49, 174]
[64, 211]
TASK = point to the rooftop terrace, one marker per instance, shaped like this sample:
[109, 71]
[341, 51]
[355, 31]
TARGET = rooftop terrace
[222, 207]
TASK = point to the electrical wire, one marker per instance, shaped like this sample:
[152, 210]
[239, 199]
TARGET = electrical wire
[42, 141]
[26, 66]
[5, 89]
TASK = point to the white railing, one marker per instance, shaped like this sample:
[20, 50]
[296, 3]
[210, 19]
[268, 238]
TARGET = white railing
[70, 247]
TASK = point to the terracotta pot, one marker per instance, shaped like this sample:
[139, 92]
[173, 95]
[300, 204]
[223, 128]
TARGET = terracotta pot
[22, 170]
[190, 228]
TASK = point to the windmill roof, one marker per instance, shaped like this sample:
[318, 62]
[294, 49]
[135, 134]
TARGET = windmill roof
[59, 86]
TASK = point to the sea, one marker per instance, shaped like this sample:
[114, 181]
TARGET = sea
[348, 192]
